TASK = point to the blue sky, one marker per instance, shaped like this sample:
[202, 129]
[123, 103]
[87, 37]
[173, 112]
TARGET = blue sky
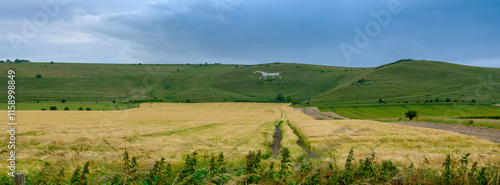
[328, 32]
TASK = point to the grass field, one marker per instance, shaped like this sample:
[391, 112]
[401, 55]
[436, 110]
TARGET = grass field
[67, 139]
[424, 110]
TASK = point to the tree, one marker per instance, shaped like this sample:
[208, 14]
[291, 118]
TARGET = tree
[81, 108]
[447, 100]
[38, 76]
[51, 62]
[295, 102]
[66, 108]
[114, 101]
[288, 98]
[410, 114]
[88, 109]
[437, 100]
[53, 108]
[63, 101]
[280, 97]
[380, 100]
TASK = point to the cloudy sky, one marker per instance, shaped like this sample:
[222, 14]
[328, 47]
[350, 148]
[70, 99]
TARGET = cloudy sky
[329, 32]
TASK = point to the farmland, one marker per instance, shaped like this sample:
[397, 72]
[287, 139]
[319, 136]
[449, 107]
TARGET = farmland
[189, 115]
[60, 141]
[425, 110]
[404, 81]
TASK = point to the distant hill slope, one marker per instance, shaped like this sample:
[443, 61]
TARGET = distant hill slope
[240, 83]
[417, 81]
[175, 82]
[405, 80]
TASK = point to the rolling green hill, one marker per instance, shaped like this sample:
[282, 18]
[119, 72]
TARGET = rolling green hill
[417, 82]
[403, 81]
[198, 83]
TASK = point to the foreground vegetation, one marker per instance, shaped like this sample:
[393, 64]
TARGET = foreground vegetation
[265, 169]
[52, 145]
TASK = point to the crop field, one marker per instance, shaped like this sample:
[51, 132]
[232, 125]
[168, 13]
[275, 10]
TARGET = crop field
[68, 139]
[152, 131]
[420, 146]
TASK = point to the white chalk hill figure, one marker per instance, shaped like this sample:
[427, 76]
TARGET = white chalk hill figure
[265, 74]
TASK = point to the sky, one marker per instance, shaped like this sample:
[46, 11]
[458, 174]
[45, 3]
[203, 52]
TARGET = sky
[353, 33]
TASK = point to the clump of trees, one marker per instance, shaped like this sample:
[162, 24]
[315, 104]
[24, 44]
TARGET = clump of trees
[15, 61]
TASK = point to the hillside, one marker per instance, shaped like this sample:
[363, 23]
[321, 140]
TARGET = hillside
[417, 82]
[175, 82]
[405, 80]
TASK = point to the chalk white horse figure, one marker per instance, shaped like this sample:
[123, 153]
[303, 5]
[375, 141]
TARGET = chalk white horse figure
[265, 75]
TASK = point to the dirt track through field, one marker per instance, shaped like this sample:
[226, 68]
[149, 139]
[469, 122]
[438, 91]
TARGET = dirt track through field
[479, 132]
[277, 137]
[317, 114]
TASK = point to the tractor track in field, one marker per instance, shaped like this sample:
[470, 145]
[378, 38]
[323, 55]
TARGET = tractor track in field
[479, 132]
[317, 114]
[277, 137]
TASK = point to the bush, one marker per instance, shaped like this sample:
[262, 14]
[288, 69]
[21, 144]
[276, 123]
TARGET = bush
[38, 76]
[411, 114]
[295, 102]
[43, 109]
[81, 108]
[53, 108]
[114, 101]
[88, 109]
[66, 108]
[63, 101]
[280, 97]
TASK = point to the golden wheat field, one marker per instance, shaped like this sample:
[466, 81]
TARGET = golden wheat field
[70, 138]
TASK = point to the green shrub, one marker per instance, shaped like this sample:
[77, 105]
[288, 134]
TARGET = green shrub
[410, 114]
